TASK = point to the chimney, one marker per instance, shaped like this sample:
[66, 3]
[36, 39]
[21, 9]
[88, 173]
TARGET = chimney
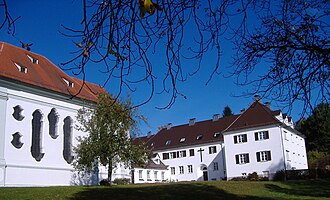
[192, 121]
[267, 104]
[169, 126]
[216, 117]
[257, 97]
[149, 134]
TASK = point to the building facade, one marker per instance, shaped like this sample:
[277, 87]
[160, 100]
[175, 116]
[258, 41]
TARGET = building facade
[38, 108]
[256, 140]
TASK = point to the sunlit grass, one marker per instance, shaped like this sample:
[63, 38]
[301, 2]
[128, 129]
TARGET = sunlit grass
[188, 190]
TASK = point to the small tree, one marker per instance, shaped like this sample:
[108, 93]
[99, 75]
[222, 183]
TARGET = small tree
[226, 112]
[108, 141]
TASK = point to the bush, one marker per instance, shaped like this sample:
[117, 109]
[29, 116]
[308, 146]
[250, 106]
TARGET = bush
[279, 176]
[121, 181]
[104, 182]
[239, 178]
[253, 176]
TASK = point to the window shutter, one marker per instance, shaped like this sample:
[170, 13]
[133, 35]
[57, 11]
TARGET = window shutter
[237, 159]
[247, 158]
[258, 156]
[267, 135]
[268, 155]
[235, 139]
[256, 136]
[245, 137]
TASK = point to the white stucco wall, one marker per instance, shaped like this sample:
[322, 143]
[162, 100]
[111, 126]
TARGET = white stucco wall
[276, 144]
[295, 150]
[20, 167]
[197, 164]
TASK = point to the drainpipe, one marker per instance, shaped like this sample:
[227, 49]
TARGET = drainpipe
[4, 177]
[223, 161]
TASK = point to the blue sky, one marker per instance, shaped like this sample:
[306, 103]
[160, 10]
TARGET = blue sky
[40, 24]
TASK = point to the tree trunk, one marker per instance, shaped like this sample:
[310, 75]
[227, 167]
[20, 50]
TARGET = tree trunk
[110, 172]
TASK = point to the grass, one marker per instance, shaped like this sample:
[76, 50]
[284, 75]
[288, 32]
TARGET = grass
[319, 189]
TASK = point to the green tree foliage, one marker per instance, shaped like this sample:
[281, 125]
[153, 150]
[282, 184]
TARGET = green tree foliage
[108, 142]
[226, 112]
[317, 128]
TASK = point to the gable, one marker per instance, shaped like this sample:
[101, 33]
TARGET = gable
[256, 115]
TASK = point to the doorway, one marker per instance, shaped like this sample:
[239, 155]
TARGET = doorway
[205, 175]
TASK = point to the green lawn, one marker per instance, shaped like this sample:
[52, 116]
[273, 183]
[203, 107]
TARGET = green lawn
[193, 190]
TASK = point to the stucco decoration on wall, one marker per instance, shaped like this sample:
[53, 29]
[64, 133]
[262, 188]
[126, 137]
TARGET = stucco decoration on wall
[18, 113]
[16, 142]
[67, 143]
[37, 124]
[53, 122]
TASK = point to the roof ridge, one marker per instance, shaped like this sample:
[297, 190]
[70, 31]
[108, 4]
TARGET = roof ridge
[235, 120]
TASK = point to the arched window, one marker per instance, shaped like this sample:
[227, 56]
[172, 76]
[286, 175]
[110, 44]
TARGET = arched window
[67, 140]
[53, 121]
[16, 141]
[17, 114]
[36, 147]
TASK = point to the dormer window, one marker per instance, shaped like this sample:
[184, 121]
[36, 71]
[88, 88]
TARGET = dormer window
[69, 83]
[199, 137]
[217, 134]
[168, 142]
[182, 140]
[21, 68]
[33, 60]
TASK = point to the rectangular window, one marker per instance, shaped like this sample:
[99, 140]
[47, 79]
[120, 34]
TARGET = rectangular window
[163, 175]
[140, 174]
[262, 135]
[287, 155]
[242, 158]
[172, 155]
[212, 150]
[156, 175]
[265, 174]
[190, 169]
[215, 166]
[240, 138]
[173, 170]
[181, 170]
[286, 136]
[165, 156]
[191, 152]
[263, 156]
[148, 175]
[182, 154]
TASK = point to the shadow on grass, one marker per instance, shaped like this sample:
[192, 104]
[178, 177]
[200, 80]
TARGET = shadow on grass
[312, 188]
[158, 192]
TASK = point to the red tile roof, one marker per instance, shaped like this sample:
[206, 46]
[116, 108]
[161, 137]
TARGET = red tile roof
[43, 74]
[256, 115]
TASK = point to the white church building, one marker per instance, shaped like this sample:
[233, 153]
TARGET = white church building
[257, 140]
[38, 108]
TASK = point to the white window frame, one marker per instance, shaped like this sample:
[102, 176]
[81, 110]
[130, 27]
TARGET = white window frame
[190, 169]
[156, 175]
[181, 170]
[240, 138]
[140, 174]
[264, 156]
[215, 166]
[172, 170]
[212, 149]
[243, 158]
